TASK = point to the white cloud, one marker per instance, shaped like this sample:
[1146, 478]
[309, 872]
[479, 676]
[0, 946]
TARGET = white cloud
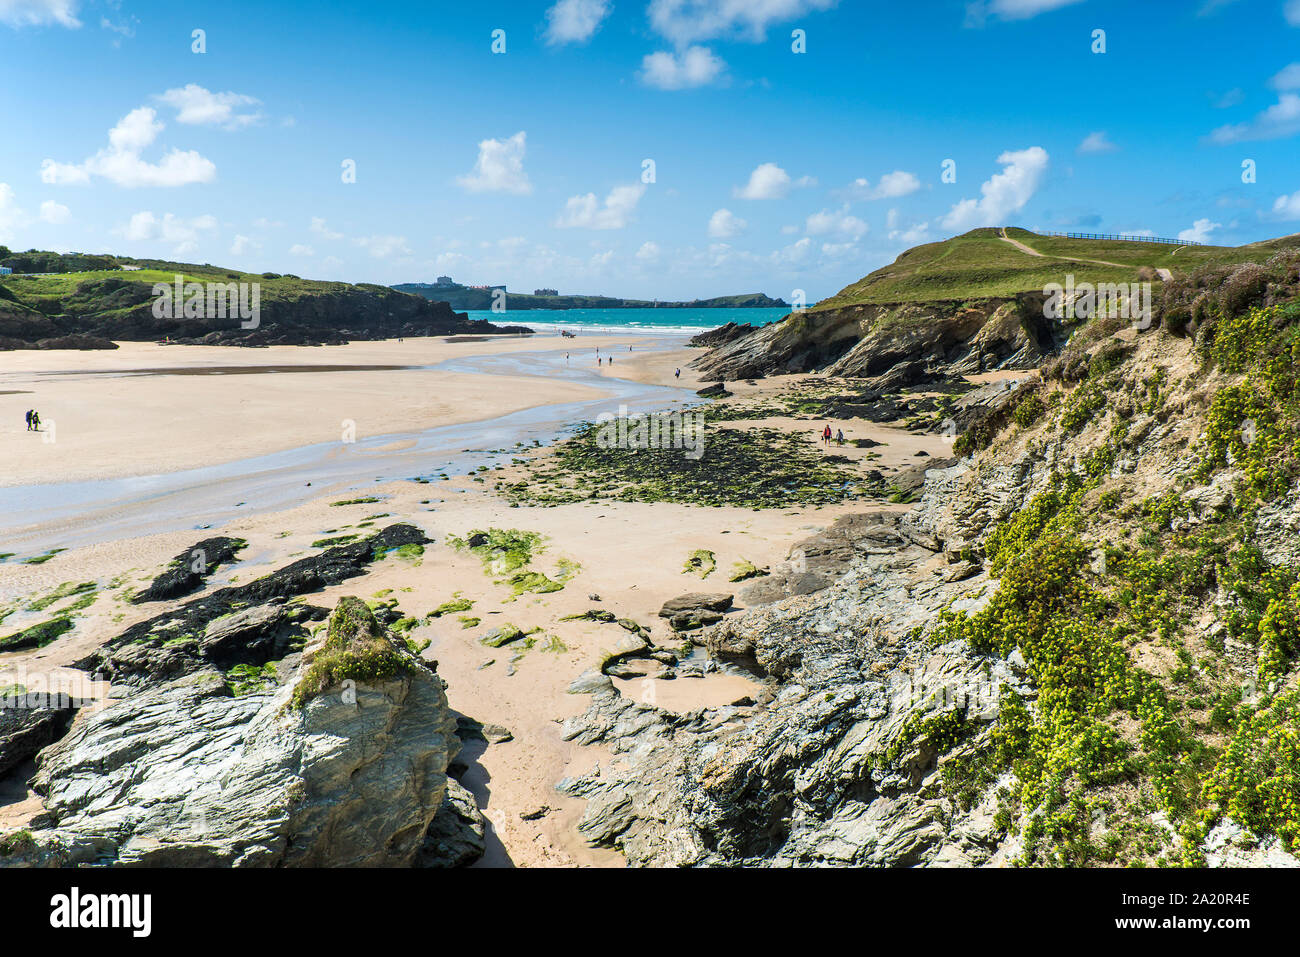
[686, 21]
[575, 21]
[54, 213]
[145, 226]
[1287, 78]
[836, 222]
[381, 247]
[320, 229]
[298, 249]
[1287, 207]
[1004, 193]
[695, 66]
[1015, 9]
[891, 185]
[1292, 12]
[587, 212]
[242, 244]
[1097, 142]
[912, 235]
[1200, 231]
[768, 181]
[648, 252]
[1280, 120]
[724, 224]
[263, 223]
[499, 168]
[35, 13]
[120, 162]
[196, 106]
[1138, 233]
[11, 217]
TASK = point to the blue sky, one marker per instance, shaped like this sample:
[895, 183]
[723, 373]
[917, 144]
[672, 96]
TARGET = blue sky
[773, 170]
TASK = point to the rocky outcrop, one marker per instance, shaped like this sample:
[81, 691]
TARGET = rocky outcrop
[695, 610]
[188, 570]
[29, 722]
[244, 624]
[721, 335]
[343, 764]
[937, 339]
[834, 764]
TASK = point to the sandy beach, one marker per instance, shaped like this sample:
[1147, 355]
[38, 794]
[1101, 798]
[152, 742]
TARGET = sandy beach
[626, 558]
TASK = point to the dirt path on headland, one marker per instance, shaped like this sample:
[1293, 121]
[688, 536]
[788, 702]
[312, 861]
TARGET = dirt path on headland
[1163, 273]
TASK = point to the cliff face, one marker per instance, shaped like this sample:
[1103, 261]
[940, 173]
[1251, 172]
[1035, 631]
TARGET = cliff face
[1080, 647]
[942, 338]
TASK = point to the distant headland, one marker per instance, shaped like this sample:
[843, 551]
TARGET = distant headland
[460, 296]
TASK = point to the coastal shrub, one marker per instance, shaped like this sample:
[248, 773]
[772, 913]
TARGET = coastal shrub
[1030, 410]
[1256, 782]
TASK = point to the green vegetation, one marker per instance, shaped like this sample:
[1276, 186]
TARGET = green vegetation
[755, 468]
[701, 562]
[355, 648]
[454, 605]
[744, 570]
[65, 590]
[251, 679]
[501, 550]
[37, 636]
[981, 265]
[368, 500]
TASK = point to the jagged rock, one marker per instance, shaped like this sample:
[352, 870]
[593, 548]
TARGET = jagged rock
[819, 560]
[458, 835]
[29, 723]
[722, 334]
[1277, 531]
[320, 771]
[713, 392]
[179, 642]
[1229, 845]
[188, 570]
[802, 777]
[947, 338]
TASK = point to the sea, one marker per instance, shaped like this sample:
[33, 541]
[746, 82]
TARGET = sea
[651, 321]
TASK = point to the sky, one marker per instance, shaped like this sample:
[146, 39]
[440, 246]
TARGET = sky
[667, 149]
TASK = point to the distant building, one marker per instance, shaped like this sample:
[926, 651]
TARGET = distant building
[5, 270]
[445, 281]
[545, 292]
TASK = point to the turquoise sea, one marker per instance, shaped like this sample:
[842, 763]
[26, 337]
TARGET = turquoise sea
[628, 320]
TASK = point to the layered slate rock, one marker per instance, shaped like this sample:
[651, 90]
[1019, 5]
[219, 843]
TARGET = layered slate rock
[29, 722]
[943, 337]
[187, 572]
[695, 610]
[245, 624]
[343, 765]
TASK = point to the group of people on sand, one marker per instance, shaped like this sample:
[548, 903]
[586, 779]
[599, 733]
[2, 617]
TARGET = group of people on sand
[33, 420]
[827, 437]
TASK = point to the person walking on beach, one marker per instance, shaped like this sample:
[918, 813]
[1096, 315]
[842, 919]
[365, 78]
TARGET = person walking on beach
[826, 436]
[29, 420]
[839, 437]
[36, 421]
[677, 374]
